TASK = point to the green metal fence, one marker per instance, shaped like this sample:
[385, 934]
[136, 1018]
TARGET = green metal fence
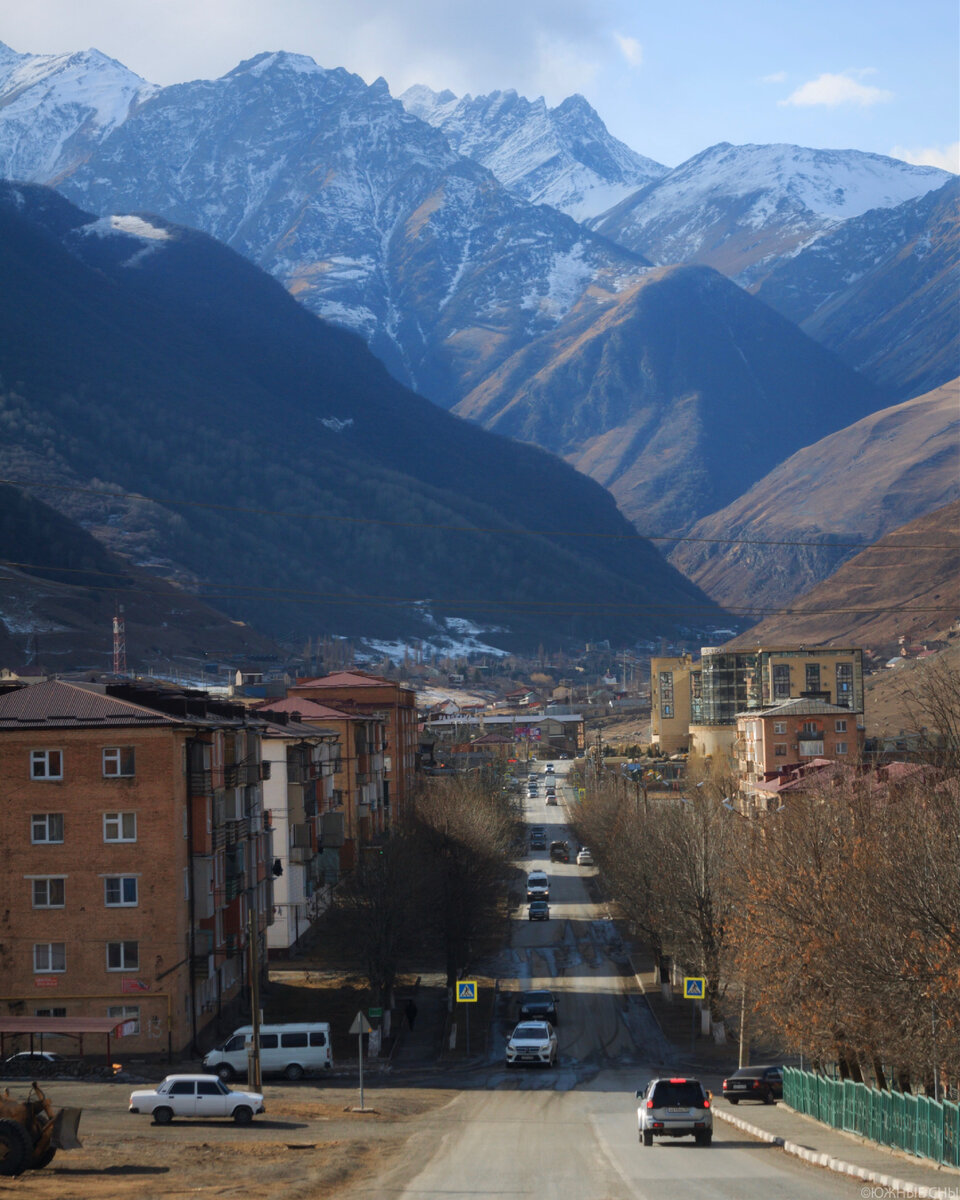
[916, 1124]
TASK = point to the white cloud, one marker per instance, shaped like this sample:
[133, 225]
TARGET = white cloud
[833, 90]
[776, 77]
[945, 157]
[630, 48]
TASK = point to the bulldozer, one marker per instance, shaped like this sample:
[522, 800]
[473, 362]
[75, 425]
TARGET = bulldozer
[32, 1131]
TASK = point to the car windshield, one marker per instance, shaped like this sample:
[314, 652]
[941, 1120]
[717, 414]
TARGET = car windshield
[538, 997]
[531, 1030]
[677, 1094]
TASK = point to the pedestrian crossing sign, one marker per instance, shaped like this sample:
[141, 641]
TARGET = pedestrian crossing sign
[466, 991]
[694, 987]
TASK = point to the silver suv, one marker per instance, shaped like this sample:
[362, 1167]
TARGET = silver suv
[674, 1108]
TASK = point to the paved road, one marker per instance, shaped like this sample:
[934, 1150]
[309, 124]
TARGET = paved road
[570, 1133]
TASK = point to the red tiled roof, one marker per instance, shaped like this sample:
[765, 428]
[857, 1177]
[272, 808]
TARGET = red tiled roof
[309, 710]
[55, 703]
[346, 679]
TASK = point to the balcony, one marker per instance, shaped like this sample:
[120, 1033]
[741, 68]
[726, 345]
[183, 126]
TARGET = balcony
[235, 884]
[200, 782]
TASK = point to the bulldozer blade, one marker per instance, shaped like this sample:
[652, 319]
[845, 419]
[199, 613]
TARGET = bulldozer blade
[66, 1121]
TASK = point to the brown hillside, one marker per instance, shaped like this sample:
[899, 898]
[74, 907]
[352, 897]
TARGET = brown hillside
[907, 584]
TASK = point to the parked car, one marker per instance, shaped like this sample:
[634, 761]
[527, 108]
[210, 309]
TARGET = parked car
[549, 769]
[538, 1005]
[539, 910]
[26, 1058]
[559, 852]
[584, 857]
[196, 1096]
[532, 1042]
[674, 1108]
[763, 1083]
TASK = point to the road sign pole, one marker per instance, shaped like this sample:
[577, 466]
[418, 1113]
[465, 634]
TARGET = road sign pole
[468, 1031]
[693, 1032]
[360, 1056]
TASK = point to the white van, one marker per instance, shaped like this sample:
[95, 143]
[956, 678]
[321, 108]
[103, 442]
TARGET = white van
[538, 886]
[290, 1050]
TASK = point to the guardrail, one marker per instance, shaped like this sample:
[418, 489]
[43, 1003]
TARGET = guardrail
[916, 1124]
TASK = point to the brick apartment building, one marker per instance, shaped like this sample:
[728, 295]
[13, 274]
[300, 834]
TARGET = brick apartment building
[133, 847]
[362, 694]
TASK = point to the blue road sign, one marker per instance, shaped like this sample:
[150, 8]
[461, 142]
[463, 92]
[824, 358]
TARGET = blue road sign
[694, 987]
[466, 991]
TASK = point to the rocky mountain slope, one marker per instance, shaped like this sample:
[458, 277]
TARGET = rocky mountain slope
[676, 394]
[57, 108]
[741, 209]
[796, 525]
[562, 156]
[881, 291]
[907, 583]
[59, 588]
[164, 391]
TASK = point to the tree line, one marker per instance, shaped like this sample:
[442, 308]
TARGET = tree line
[832, 922]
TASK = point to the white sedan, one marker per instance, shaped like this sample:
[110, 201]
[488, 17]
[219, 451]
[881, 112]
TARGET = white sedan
[532, 1042]
[584, 857]
[196, 1096]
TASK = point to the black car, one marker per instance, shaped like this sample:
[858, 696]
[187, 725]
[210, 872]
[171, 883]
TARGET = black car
[764, 1083]
[539, 910]
[559, 852]
[539, 1005]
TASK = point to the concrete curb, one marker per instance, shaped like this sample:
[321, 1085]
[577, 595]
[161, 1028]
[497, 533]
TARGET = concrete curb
[890, 1183]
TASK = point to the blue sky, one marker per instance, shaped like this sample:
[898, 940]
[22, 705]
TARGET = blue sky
[669, 79]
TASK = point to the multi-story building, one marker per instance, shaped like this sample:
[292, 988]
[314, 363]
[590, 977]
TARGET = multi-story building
[135, 857]
[775, 741]
[726, 683]
[352, 816]
[297, 791]
[670, 703]
[396, 705]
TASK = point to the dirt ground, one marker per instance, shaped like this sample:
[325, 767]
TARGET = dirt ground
[308, 1143]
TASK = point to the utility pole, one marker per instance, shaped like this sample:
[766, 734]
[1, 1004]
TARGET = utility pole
[119, 642]
[253, 949]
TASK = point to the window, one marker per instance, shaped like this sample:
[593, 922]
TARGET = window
[781, 681]
[779, 727]
[810, 729]
[209, 1087]
[841, 748]
[118, 761]
[119, 827]
[318, 1039]
[46, 827]
[292, 1040]
[780, 749]
[120, 891]
[126, 1012]
[840, 726]
[845, 684]
[48, 893]
[49, 1012]
[49, 956]
[813, 677]
[183, 1087]
[46, 764]
[268, 1041]
[123, 956]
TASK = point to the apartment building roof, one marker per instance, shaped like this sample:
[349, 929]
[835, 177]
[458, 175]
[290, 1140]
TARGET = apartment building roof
[306, 709]
[348, 679]
[58, 704]
[801, 707]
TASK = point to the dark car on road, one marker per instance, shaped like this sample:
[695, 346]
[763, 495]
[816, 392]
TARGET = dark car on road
[764, 1083]
[538, 1005]
[539, 910]
[559, 852]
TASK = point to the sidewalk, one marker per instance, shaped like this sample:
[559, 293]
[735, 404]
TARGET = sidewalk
[846, 1153]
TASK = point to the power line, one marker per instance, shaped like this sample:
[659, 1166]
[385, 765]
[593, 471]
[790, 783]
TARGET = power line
[497, 529]
[360, 599]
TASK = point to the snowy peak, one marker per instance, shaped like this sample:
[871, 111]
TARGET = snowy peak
[279, 60]
[57, 107]
[738, 208]
[563, 156]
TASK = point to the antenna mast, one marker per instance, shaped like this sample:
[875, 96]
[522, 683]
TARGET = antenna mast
[119, 643]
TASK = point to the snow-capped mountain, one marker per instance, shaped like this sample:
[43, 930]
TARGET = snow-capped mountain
[362, 210]
[58, 107]
[741, 208]
[881, 291]
[562, 156]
